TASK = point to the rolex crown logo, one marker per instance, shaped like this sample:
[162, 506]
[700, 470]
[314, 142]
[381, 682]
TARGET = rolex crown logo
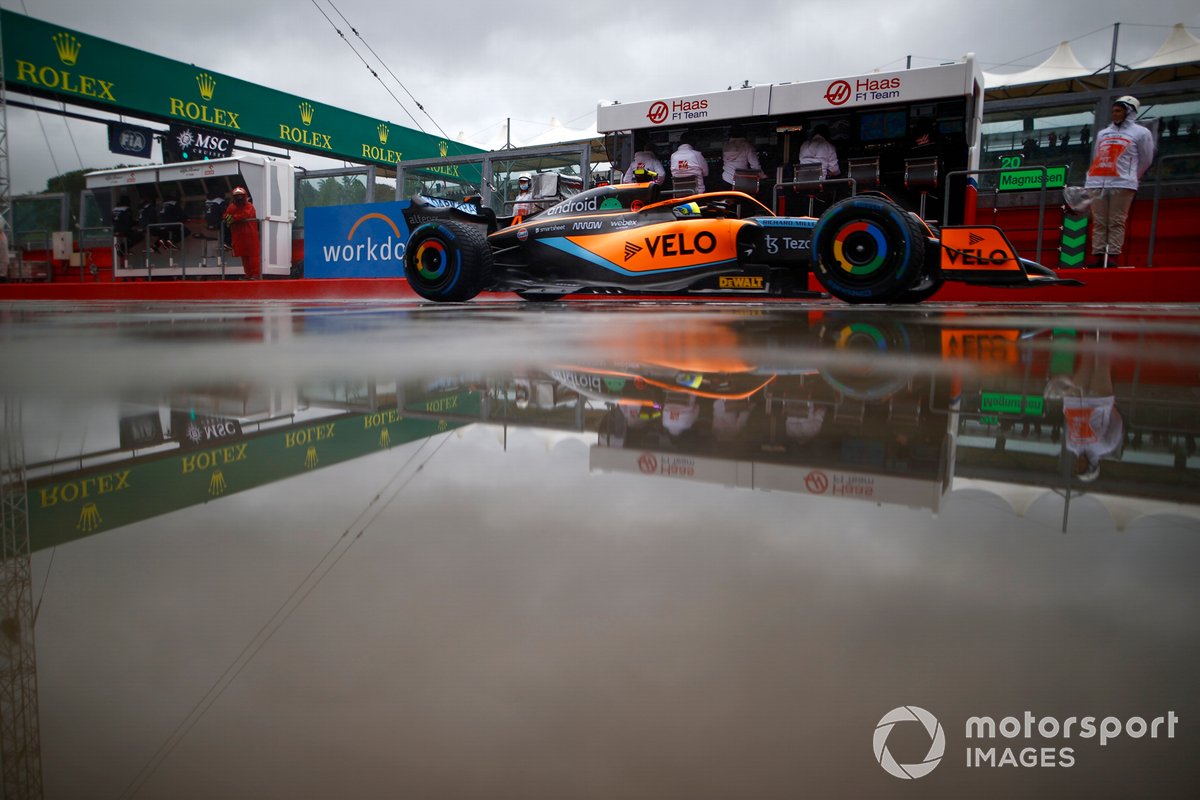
[311, 460]
[89, 518]
[207, 85]
[68, 48]
[216, 483]
[306, 113]
[383, 133]
[443, 148]
[385, 439]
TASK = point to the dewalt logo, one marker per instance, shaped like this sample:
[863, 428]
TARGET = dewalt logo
[740, 282]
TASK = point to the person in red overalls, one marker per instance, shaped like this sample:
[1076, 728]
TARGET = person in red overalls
[242, 220]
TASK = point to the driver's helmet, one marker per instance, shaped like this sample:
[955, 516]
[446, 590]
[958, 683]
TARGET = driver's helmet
[691, 209]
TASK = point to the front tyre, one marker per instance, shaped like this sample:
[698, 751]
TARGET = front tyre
[868, 250]
[448, 261]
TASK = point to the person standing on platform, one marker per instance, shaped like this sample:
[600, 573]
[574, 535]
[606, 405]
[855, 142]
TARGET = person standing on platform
[524, 207]
[1122, 155]
[242, 220]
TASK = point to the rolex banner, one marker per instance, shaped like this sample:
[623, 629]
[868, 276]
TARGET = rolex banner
[52, 61]
[217, 463]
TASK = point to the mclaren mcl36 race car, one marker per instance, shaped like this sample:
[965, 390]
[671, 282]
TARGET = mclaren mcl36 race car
[628, 239]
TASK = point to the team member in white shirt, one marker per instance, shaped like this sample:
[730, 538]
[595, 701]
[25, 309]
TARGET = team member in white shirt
[818, 150]
[523, 208]
[737, 154]
[645, 160]
[1120, 158]
[686, 161]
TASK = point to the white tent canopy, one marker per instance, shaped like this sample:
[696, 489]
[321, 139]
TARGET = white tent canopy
[1062, 64]
[1179, 48]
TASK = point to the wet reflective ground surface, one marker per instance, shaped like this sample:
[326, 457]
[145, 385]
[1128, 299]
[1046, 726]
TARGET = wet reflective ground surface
[605, 550]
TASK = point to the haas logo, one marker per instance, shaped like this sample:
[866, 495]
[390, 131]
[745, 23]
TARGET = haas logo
[838, 93]
[658, 112]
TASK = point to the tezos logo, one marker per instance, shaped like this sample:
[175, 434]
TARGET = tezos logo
[658, 112]
[937, 742]
[838, 93]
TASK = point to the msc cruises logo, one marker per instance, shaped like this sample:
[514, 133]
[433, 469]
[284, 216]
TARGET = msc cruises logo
[207, 85]
[68, 48]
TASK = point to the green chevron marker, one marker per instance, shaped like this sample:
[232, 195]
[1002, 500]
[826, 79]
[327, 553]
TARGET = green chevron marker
[1073, 245]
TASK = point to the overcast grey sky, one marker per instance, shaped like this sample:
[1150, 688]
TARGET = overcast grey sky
[473, 65]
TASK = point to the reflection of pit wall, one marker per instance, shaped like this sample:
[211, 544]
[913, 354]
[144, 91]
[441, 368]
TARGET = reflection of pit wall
[837, 484]
[198, 251]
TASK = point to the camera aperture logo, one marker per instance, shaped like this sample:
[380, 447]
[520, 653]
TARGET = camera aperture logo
[937, 742]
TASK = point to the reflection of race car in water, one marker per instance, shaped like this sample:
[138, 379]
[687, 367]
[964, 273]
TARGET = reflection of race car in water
[626, 238]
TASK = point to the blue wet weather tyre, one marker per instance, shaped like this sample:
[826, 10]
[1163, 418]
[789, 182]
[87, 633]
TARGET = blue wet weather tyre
[448, 261]
[868, 250]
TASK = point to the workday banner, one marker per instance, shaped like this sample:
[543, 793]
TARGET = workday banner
[359, 241]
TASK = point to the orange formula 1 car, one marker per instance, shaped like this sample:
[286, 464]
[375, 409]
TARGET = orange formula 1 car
[627, 239]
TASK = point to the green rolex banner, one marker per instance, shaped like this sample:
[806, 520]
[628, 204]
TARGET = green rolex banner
[1073, 248]
[53, 61]
[71, 506]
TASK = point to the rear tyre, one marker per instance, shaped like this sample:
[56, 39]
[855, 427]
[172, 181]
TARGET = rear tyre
[868, 250]
[448, 261]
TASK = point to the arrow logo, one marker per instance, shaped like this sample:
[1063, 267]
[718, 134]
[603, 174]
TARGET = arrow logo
[974, 238]
[631, 250]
